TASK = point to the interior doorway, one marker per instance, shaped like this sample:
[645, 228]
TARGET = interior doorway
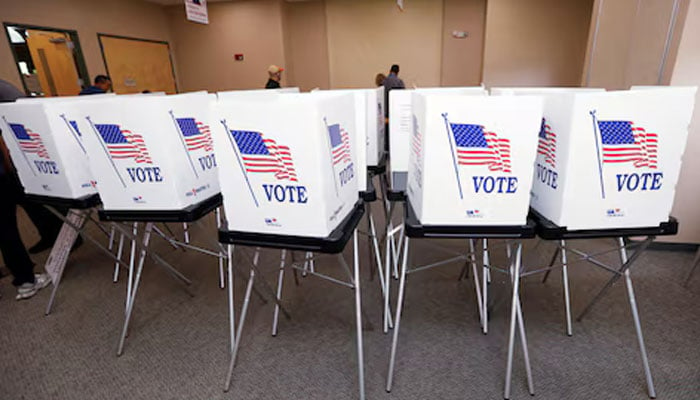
[137, 65]
[49, 60]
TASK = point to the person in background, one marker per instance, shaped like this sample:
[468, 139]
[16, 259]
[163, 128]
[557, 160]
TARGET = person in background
[275, 74]
[13, 252]
[379, 79]
[102, 85]
[392, 81]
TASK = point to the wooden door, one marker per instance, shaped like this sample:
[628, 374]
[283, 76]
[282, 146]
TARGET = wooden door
[52, 54]
[136, 65]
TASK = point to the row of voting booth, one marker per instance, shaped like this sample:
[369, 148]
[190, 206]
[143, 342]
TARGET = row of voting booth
[290, 170]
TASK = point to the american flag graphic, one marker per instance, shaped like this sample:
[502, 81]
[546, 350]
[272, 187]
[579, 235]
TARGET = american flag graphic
[29, 142]
[124, 144]
[476, 146]
[74, 124]
[624, 142]
[416, 139]
[197, 135]
[340, 144]
[264, 155]
[547, 144]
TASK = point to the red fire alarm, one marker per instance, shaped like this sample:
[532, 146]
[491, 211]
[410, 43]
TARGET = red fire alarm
[238, 57]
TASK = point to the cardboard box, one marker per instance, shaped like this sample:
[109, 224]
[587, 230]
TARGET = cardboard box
[471, 158]
[286, 164]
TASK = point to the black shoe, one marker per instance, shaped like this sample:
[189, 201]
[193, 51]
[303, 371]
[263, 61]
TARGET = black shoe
[41, 245]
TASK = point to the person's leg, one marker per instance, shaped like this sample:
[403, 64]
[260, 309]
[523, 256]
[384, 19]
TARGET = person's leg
[13, 252]
[47, 224]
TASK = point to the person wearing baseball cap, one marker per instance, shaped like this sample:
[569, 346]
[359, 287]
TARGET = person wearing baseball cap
[275, 73]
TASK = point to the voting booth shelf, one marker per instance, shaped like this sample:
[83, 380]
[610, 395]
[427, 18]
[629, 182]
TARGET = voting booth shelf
[293, 174]
[472, 158]
[46, 147]
[150, 152]
[610, 159]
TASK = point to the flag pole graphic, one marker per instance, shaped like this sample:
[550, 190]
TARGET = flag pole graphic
[454, 158]
[72, 131]
[597, 152]
[330, 148]
[182, 140]
[104, 147]
[229, 133]
[20, 147]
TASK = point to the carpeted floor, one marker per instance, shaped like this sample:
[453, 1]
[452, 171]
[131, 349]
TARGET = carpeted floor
[177, 348]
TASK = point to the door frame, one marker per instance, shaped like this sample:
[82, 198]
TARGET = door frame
[78, 55]
[170, 53]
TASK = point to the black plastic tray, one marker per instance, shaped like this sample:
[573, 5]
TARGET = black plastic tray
[189, 214]
[332, 244]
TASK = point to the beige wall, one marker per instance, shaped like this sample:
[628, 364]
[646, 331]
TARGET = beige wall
[462, 58]
[134, 18]
[306, 44]
[630, 43]
[366, 36]
[687, 72]
[205, 53]
[535, 42]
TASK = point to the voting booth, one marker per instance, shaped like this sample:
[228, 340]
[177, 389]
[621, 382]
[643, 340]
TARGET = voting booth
[369, 124]
[150, 152]
[289, 175]
[255, 93]
[46, 147]
[610, 159]
[471, 158]
[401, 121]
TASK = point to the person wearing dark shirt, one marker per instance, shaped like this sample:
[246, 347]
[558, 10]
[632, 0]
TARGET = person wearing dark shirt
[102, 85]
[13, 251]
[392, 81]
[275, 74]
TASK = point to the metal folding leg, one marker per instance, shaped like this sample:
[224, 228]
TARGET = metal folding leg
[244, 311]
[130, 308]
[624, 271]
[475, 277]
[516, 317]
[221, 260]
[120, 249]
[565, 284]
[399, 309]
[231, 306]
[378, 261]
[485, 287]
[358, 315]
[637, 323]
[280, 281]
[696, 261]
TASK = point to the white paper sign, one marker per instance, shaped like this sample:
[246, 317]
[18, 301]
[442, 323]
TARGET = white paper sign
[197, 11]
[63, 245]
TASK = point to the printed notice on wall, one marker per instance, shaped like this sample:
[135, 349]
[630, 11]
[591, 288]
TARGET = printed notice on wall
[197, 11]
